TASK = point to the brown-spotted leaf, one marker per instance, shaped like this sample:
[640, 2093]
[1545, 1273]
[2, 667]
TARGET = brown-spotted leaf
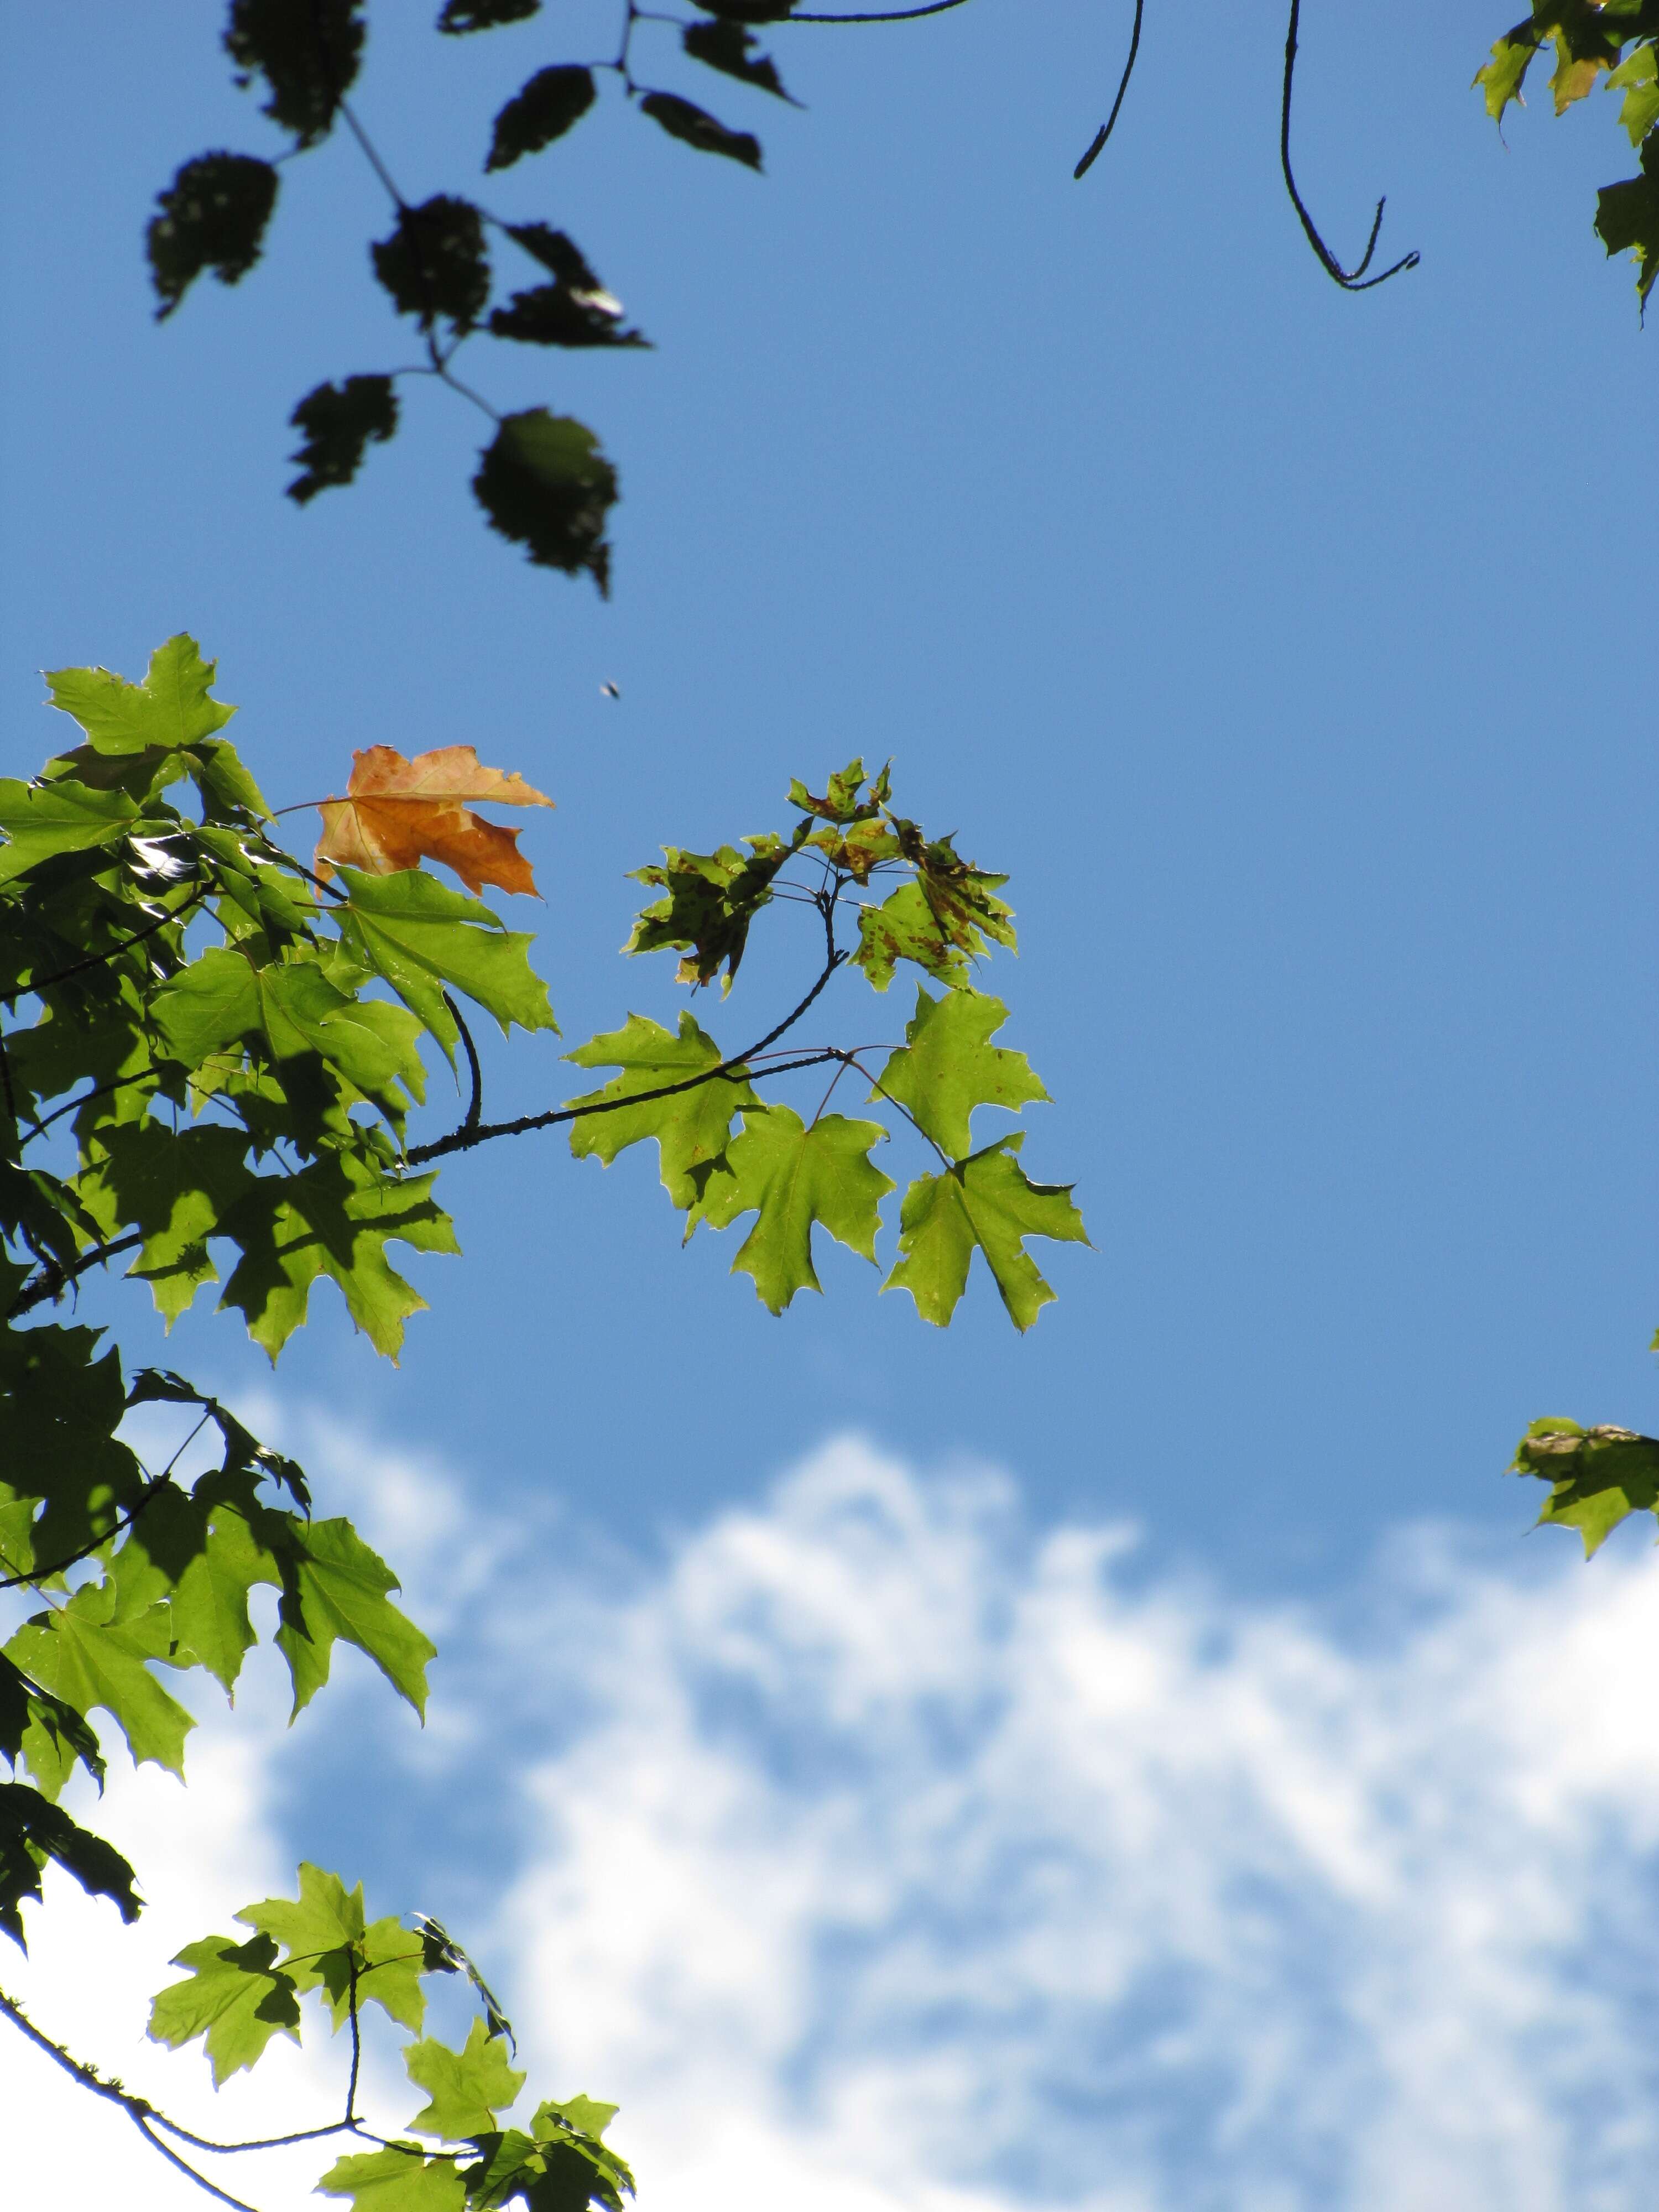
[398, 812]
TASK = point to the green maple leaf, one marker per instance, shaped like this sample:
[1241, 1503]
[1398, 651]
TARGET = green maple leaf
[334, 1587]
[42, 820]
[948, 1067]
[1597, 1476]
[792, 1176]
[199, 1551]
[49, 1733]
[85, 1654]
[561, 2165]
[234, 1997]
[399, 2178]
[223, 998]
[325, 1935]
[466, 2088]
[174, 1185]
[169, 710]
[988, 1204]
[420, 935]
[690, 1127]
[333, 1219]
[711, 899]
[59, 1404]
[1638, 78]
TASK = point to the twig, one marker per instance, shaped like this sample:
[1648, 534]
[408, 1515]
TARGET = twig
[1107, 127]
[476, 1107]
[464, 1138]
[103, 959]
[57, 1277]
[887, 15]
[1351, 280]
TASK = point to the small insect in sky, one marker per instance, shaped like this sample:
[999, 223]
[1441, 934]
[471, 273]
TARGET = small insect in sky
[611, 690]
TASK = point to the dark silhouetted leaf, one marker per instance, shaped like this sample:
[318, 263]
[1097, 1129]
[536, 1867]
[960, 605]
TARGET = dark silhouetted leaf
[540, 112]
[728, 47]
[553, 314]
[556, 252]
[212, 216]
[1628, 217]
[750, 11]
[461, 16]
[435, 262]
[544, 483]
[308, 55]
[34, 1832]
[337, 421]
[681, 119]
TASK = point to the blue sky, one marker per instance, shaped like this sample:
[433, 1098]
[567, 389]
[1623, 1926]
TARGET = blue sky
[1284, 647]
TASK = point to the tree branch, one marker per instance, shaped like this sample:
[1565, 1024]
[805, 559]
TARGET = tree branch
[1351, 280]
[1107, 126]
[102, 959]
[55, 1279]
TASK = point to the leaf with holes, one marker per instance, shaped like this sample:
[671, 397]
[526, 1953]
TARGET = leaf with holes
[544, 482]
[434, 262]
[212, 216]
[308, 57]
[336, 422]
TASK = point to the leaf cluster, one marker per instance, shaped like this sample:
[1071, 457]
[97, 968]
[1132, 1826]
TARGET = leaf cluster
[240, 1993]
[543, 482]
[1616, 41]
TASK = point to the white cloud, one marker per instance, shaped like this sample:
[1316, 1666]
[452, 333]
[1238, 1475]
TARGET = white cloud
[904, 1859]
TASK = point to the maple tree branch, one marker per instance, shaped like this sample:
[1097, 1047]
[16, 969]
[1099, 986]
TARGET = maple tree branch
[57, 1277]
[464, 1138]
[476, 1106]
[1107, 126]
[1351, 280]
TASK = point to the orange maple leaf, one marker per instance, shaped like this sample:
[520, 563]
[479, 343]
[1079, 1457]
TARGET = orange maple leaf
[398, 812]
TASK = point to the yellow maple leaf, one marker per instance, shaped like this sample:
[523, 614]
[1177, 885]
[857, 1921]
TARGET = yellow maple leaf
[398, 812]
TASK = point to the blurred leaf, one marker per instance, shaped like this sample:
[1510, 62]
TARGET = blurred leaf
[728, 47]
[309, 56]
[336, 422]
[398, 812]
[1628, 217]
[544, 483]
[557, 252]
[680, 119]
[435, 262]
[542, 110]
[553, 314]
[212, 216]
[462, 16]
